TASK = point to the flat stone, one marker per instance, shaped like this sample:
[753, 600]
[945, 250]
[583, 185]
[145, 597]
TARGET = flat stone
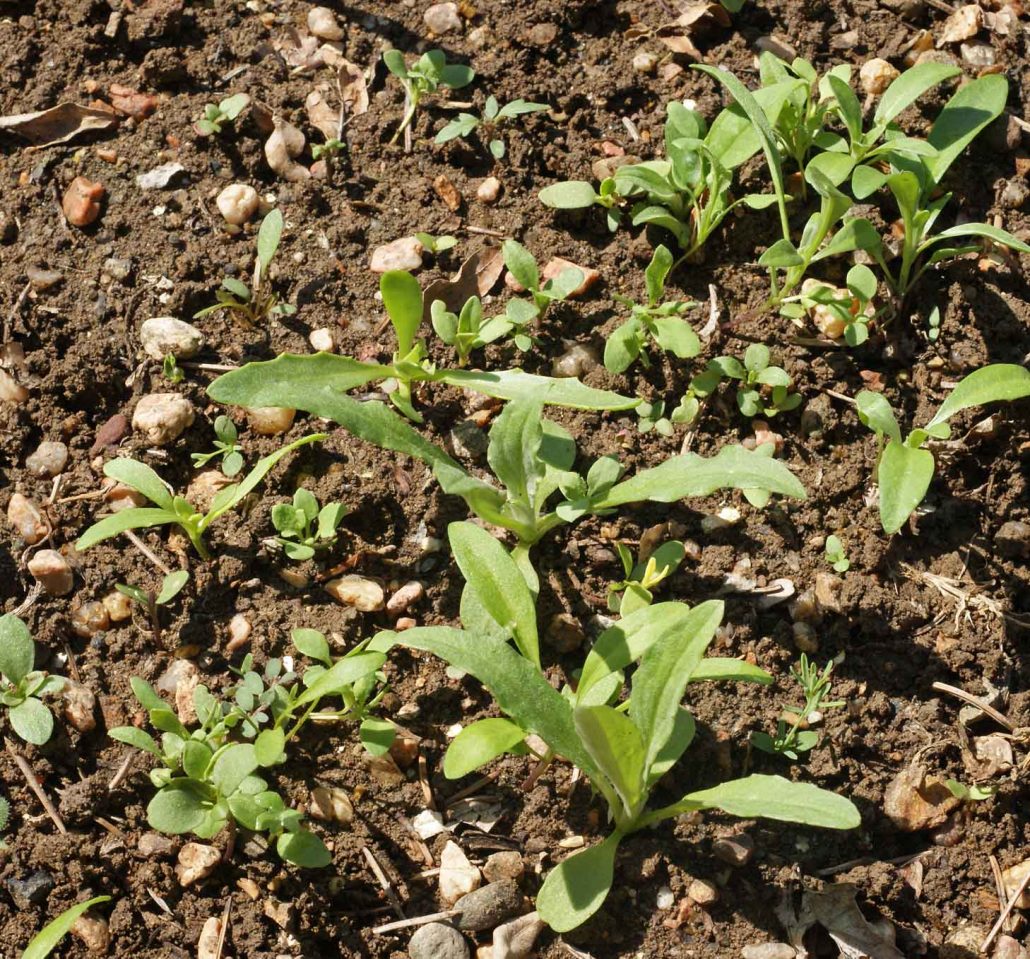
[402, 254]
[489, 906]
[437, 941]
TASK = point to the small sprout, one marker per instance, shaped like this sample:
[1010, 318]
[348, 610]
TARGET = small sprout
[651, 416]
[791, 740]
[974, 793]
[44, 942]
[256, 303]
[464, 124]
[226, 447]
[838, 313]
[427, 74]
[217, 116]
[836, 555]
[22, 687]
[642, 578]
[171, 586]
[329, 150]
[468, 330]
[171, 370]
[764, 389]
[436, 244]
[303, 528]
[522, 312]
[933, 323]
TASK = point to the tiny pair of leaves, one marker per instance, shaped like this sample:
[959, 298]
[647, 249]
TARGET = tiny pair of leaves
[28, 715]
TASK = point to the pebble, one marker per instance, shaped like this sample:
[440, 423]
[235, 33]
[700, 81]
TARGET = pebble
[1014, 195]
[703, 892]
[489, 190]
[52, 571]
[556, 265]
[162, 417]
[384, 770]
[210, 935]
[331, 804]
[409, 593]
[26, 519]
[665, 898]
[442, 18]
[270, 420]
[645, 63]
[503, 865]
[205, 486]
[876, 75]
[515, 939]
[458, 877]
[429, 823]
[914, 801]
[239, 632]
[1008, 948]
[322, 24]
[154, 844]
[769, 950]
[734, 850]
[468, 441]
[575, 361]
[119, 497]
[963, 942]
[825, 320]
[118, 268]
[31, 891]
[447, 192]
[827, 591]
[489, 906]
[564, 633]
[161, 335]
[41, 279]
[160, 177]
[89, 618]
[118, 606]
[321, 340]
[437, 941]
[49, 459]
[81, 202]
[92, 930]
[11, 391]
[357, 591]
[237, 203]
[1011, 879]
[402, 254]
[196, 862]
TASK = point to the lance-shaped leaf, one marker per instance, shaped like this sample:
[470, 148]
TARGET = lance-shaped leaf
[515, 439]
[972, 107]
[47, 939]
[344, 672]
[722, 669]
[141, 478]
[904, 475]
[478, 744]
[993, 383]
[617, 747]
[906, 89]
[402, 298]
[136, 518]
[552, 391]
[575, 889]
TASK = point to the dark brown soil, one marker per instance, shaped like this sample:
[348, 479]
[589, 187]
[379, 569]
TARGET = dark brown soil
[895, 633]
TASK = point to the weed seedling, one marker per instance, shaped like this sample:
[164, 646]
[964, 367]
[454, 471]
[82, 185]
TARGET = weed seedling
[651, 417]
[436, 244]
[171, 510]
[258, 303]
[845, 313]
[521, 313]
[836, 555]
[217, 116]
[792, 735]
[303, 528]
[468, 330]
[493, 116]
[329, 150]
[171, 586]
[905, 468]
[226, 448]
[44, 942]
[22, 687]
[171, 370]
[426, 75]
[764, 389]
[642, 578]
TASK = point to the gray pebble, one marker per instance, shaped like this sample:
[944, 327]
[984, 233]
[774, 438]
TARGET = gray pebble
[489, 906]
[33, 890]
[1013, 539]
[49, 459]
[437, 941]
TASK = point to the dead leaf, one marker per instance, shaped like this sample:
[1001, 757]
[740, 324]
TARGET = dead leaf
[915, 801]
[995, 752]
[693, 21]
[913, 876]
[353, 88]
[322, 116]
[58, 124]
[305, 53]
[964, 23]
[1002, 20]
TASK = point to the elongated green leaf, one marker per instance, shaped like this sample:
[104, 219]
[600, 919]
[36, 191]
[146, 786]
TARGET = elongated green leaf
[132, 736]
[552, 391]
[617, 747]
[17, 651]
[344, 672]
[722, 669]
[141, 478]
[498, 584]
[904, 475]
[856, 234]
[171, 585]
[985, 230]
[402, 298]
[515, 441]
[516, 684]
[268, 238]
[49, 937]
[733, 467]
[990, 384]
[575, 889]
[478, 744]
[568, 195]
[682, 735]
[313, 644]
[907, 88]
[875, 412]
[733, 138]
[135, 518]
[973, 106]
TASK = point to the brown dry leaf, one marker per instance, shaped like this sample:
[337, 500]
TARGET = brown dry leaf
[305, 53]
[693, 20]
[963, 24]
[995, 752]
[353, 87]
[1002, 20]
[915, 801]
[913, 876]
[321, 115]
[477, 276]
[58, 124]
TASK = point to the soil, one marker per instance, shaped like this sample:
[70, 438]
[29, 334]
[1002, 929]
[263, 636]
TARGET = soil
[895, 629]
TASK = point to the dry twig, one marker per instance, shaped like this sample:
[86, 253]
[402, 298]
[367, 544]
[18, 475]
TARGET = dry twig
[34, 785]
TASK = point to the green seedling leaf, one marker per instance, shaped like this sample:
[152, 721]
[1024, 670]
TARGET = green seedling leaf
[141, 478]
[303, 848]
[49, 937]
[479, 743]
[985, 230]
[32, 721]
[570, 195]
[402, 298]
[377, 735]
[907, 88]
[994, 383]
[557, 391]
[135, 518]
[171, 586]
[178, 808]
[132, 736]
[313, 644]
[343, 674]
[17, 651]
[722, 669]
[876, 413]
[575, 889]
[268, 237]
[618, 749]
[232, 107]
[234, 765]
[973, 106]
[269, 747]
[904, 476]
[521, 264]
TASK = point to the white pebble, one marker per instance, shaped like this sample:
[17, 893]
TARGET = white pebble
[237, 203]
[322, 24]
[162, 417]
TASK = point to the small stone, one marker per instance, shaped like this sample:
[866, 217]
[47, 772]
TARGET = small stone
[49, 459]
[322, 24]
[805, 638]
[153, 844]
[504, 865]
[963, 943]
[384, 770]
[81, 202]
[645, 63]
[1014, 195]
[270, 420]
[52, 571]
[665, 898]
[564, 633]
[1011, 879]
[249, 888]
[26, 519]
[876, 75]
[11, 391]
[467, 440]
[196, 862]
[321, 340]
[119, 497]
[280, 912]
[827, 591]
[161, 335]
[205, 486]
[210, 936]
[447, 192]
[31, 891]
[437, 941]
[769, 950]
[458, 876]
[238, 203]
[825, 320]
[515, 939]
[357, 591]
[239, 632]
[132, 103]
[703, 892]
[734, 850]
[118, 268]
[428, 824]
[402, 254]
[557, 265]
[777, 46]
[162, 417]
[110, 434]
[118, 606]
[1005, 947]
[977, 53]
[489, 906]
[575, 361]
[89, 618]
[331, 804]
[160, 177]
[442, 18]
[606, 166]
[489, 190]
[409, 593]
[41, 280]
[93, 932]
[914, 801]
[542, 34]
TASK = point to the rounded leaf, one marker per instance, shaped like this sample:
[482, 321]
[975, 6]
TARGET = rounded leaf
[31, 720]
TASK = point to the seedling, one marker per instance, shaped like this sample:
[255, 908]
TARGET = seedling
[904, 469]
[637, 590]
[977, 792]
[303, 528]
[660, 321]
[688, 193]
[226, 448]
[217, 116]
[258, 303]
[651, 416]
[171, 586]
[329, 150]
[171, 510]
[207, 777]
[520, 312]
[426, 75]
[792, 735]
[436, 244]
[468, 330]
[494, 115]
[171, 370]
[22, 687]
[836, 555]
[44, 942]
[764, 389]
[850, 311]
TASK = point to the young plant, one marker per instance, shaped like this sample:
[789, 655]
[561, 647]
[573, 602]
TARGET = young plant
[22, 687]
[792, 735]
[905, 468]
[436, 244]
[642, 578]
[844, 313]
[329, 150]
[317, 384]
[651, 417]
[493, 116]
[836, 555]
[171, 370]
[521, 313]
[764, 389]
[226, 448]
[44, 942]
[426, 75]
[687, 193]
[660, 321]
[207, 778]
[468, 330]
[256, 303]
[303, 528]
[171, 586]
[171, 510]
[218, 115]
